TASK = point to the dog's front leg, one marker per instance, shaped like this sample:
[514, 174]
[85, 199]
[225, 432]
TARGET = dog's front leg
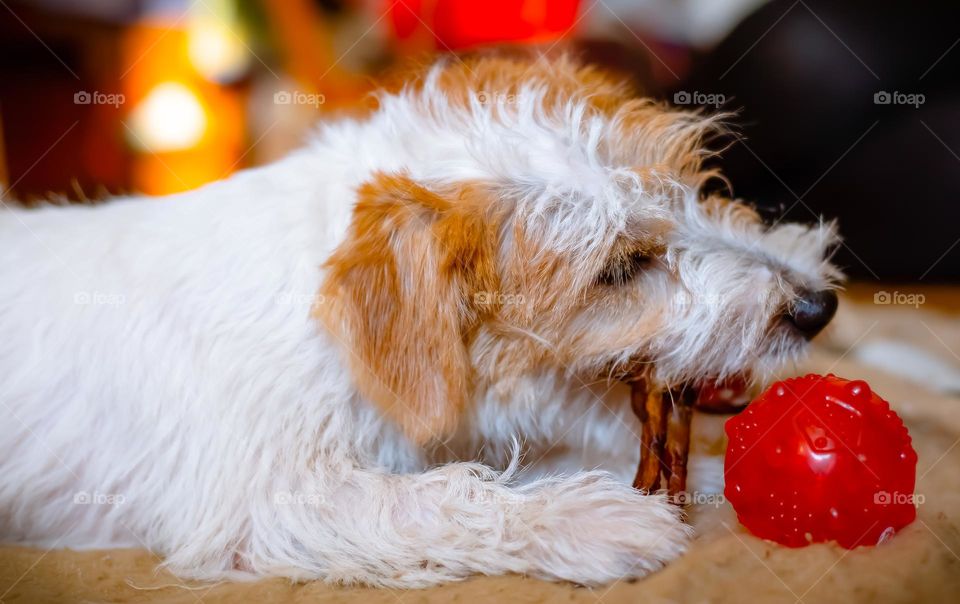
[357, 525]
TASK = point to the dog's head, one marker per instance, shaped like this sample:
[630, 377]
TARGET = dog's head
[537, 216]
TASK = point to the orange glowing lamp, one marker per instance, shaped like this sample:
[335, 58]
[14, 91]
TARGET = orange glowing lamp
[184, 130]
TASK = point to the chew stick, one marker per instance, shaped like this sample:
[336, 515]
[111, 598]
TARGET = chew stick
[648, 406]
[677, 447]
[665, 418]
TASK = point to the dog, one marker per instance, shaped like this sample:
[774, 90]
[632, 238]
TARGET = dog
[394, 357]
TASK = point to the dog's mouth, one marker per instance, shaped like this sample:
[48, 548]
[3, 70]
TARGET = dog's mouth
[665, 415]
[665, 411]
[724, 396]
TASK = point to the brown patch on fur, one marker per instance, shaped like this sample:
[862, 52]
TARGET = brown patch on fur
[716, 206]
[401, 292]
[500, 77]
[659, 140]
[656, 138]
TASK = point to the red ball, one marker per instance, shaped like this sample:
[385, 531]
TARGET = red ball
[820, 458]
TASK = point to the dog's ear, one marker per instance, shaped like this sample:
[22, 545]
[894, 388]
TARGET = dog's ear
[401, 294]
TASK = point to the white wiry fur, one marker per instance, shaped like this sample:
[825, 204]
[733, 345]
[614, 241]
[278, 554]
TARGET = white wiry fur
[165, 384]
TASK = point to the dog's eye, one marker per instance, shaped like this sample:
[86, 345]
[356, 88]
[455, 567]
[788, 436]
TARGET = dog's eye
[623, 268]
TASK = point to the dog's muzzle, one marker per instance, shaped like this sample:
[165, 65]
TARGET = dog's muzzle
[665, 414]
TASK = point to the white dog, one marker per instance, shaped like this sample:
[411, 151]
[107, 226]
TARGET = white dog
[321, 368]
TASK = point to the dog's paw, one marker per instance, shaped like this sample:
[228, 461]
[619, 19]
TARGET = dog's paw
[593, 530]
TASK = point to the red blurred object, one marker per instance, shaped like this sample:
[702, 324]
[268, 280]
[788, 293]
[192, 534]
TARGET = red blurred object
[457, 24]
[820, 458]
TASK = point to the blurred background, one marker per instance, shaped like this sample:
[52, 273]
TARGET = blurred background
[846, 110]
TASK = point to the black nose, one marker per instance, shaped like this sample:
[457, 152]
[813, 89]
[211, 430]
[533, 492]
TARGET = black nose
[811, 311]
